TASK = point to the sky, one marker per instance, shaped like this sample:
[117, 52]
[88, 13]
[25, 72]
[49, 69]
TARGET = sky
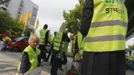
[51, 12]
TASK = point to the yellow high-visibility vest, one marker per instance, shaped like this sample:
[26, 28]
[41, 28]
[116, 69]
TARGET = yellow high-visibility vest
[7, 38]
[108, 27]
[57, 41]
[79, 39]
[80, 42]
[33, 58]
[42, 35]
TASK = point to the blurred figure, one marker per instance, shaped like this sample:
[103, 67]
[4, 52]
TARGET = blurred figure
[59, 57]
[43, 43]
[29, 59]
[6, 38]
[48, 45]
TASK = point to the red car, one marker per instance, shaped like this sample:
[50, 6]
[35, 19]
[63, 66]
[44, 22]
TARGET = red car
[18, 44]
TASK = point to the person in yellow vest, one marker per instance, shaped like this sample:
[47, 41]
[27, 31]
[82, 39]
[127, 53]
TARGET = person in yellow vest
[48, 46]
[58, 54]
[29, 60]
[78, 44]
[43, 42]
[104, 27]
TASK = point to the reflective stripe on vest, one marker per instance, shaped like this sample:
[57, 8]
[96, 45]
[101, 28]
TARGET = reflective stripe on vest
[42, 35]
[108, 27]
[57, 41]
[33, 57]
[105, 38]
[109, 23]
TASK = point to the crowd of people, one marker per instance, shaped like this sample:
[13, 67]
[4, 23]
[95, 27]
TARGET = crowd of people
[37, 53]
[99, 44]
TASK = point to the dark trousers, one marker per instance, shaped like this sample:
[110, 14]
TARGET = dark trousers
[42, 53]
[103, 63]
[55, 62]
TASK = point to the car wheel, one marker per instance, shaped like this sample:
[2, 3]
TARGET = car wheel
[15, 49]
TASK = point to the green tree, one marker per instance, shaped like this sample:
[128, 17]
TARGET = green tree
[7, 22]
[62, 27]
[73, 17]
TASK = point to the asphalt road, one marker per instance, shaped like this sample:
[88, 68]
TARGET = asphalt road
[9, 62]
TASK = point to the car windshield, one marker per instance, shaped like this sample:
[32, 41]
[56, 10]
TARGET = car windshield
[19, 38]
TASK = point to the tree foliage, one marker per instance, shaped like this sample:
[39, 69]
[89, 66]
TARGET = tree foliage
[62, 28]
[73, 17]
[7, 22]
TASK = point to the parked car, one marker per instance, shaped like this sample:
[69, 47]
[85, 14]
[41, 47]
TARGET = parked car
[18, 44]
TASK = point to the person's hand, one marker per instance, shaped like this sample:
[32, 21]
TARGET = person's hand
[72, 37]
[77, 57]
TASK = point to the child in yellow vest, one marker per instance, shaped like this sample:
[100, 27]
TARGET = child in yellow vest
[29, 59]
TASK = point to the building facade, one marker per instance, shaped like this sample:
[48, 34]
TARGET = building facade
[16, 7]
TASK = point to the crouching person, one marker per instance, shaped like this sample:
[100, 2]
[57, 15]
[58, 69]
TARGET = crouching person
[29, 58]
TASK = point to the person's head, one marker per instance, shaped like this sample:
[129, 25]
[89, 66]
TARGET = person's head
[55, 33]
[33, 40]
[45, 26]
